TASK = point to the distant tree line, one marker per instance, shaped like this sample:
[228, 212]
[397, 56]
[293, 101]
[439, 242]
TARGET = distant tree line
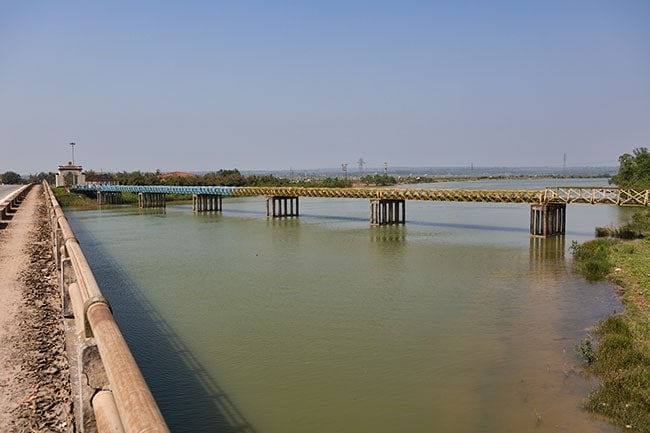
[634, 170]
[223, 177]
[13, 178]
[379, 180]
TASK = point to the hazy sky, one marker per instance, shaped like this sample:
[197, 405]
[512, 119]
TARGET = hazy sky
[204, 85]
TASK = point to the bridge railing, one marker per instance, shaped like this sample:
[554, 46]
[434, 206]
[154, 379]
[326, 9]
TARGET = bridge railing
[157, 189]
[125, 403]
[616, 196]
[565, 195]
[498, 196]
[462, 195]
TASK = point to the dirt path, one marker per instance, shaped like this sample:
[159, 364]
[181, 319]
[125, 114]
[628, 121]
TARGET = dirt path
[34, 384]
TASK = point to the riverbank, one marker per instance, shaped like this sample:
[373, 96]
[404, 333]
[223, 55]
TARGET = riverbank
[622, 356]
[33, 365]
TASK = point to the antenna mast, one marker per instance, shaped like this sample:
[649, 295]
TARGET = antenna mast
[73, 145]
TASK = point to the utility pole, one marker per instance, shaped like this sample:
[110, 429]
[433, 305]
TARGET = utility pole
[344, 167]
[385, 169]
[73, 145]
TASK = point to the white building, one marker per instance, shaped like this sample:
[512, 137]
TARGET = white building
[78, 178]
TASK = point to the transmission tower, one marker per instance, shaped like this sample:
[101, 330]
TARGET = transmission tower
[361, 163]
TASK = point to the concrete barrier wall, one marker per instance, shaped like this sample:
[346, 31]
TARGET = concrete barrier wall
[110, 392]
[10, 204]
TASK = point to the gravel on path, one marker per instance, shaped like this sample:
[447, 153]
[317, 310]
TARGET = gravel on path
[34, 378]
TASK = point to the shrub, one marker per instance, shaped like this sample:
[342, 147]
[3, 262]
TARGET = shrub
[628, 231]
[604, 232]
[586, 350]
[591, 258]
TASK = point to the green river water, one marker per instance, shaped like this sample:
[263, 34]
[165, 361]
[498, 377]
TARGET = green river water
[456, 322]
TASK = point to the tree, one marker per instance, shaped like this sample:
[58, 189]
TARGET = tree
[225, 178]
[634, 170]
[137, 178]
[40, 177]
[11, 177]
[328, 182]
[379, 180]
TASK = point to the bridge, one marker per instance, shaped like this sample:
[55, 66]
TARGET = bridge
[387, 205]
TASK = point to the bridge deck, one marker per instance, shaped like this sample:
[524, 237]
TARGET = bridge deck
[566, 195]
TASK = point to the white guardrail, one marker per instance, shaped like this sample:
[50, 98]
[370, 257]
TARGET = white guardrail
[111, 394]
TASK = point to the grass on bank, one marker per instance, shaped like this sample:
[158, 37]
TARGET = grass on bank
[621, 357]
[71, 199]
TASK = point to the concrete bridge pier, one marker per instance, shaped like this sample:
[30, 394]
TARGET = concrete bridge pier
[281, 206]
[207, 203]
[151, 199]
[547, 219]
[109, 197]
[384, 211]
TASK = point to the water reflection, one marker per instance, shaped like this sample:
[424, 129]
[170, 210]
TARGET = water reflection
[388, 234]
[283, 222]
[182, 387]
[152, 211]
[552, 248]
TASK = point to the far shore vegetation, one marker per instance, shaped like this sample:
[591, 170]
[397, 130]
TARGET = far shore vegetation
[619, 353]
[233, 177]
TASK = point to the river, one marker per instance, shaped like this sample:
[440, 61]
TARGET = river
[456, 322]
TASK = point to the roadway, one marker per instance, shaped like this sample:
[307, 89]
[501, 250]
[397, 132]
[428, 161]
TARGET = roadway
[6, 190]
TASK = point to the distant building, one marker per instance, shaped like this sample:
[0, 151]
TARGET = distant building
[69, 175]
[176, 174]
[100, 179]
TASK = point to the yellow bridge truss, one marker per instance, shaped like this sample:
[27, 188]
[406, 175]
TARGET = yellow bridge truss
[559, 195]
[565, 195]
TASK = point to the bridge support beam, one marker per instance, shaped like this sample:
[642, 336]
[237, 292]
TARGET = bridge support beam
[282, 206]
[151, 199]
[109, 197]
[547, 219]
[207, 203]
[384, 212]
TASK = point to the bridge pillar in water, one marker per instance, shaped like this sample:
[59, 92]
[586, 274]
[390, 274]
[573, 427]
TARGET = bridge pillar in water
[207, 203]
[547, 219]
[282, 206]
[109, 197]
[384, 211]
[151, 199]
